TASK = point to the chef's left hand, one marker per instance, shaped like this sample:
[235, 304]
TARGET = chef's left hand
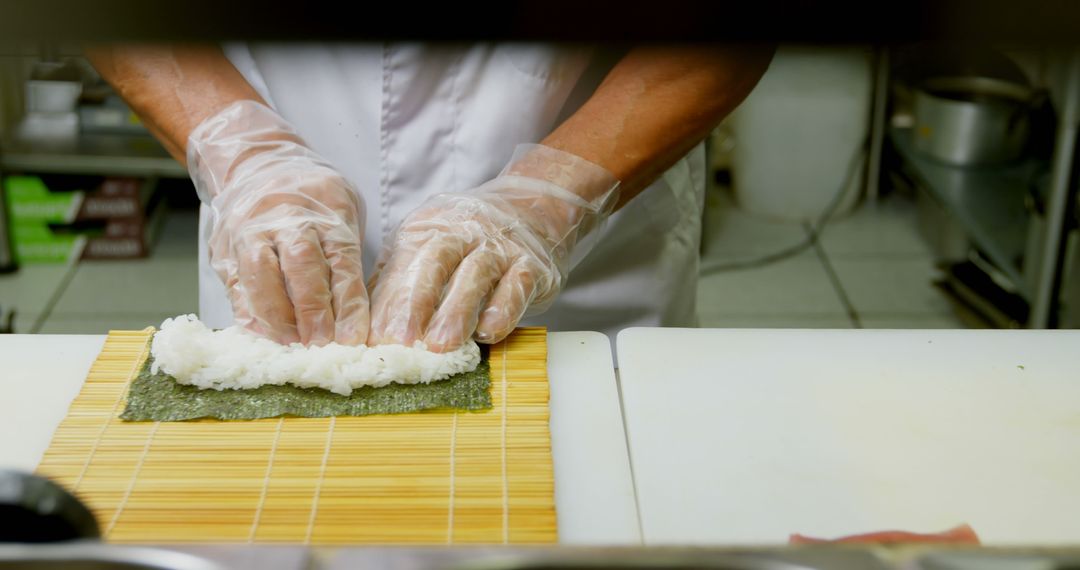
[472, 264]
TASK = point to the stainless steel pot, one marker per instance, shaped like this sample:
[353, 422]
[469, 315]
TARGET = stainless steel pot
[967, 121]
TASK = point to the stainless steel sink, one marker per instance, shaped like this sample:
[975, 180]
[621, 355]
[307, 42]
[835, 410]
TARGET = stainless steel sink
[580, 558]
[93, 555]
[97, 556]
[993, 559]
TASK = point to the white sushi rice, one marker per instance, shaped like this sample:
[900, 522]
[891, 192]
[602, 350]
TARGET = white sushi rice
[235, 359]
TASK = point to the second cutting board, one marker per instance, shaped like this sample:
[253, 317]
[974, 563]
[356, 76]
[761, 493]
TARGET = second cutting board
[745, 436]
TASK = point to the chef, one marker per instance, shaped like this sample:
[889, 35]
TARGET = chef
[482, 184]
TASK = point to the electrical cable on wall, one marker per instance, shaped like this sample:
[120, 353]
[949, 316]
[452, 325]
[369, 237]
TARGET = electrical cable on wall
[813, 230]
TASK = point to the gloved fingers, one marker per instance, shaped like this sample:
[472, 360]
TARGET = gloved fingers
[376, 274]
[231, 277]
[307, 281]
[241, 313]
[260, 291]
[388, 278]
[345, 204]
[508, 303]
[423, 224]
[347, 291]
[410, 286]
[455, 320]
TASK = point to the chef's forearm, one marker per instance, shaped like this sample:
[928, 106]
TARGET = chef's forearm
[172, 88]
[655, 105]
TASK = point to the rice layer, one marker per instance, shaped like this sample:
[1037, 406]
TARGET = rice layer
[235, 359]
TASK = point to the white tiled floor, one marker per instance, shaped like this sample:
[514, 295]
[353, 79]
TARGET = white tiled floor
[890, 285]
[885, 229]
[28, 292]
[881, 277]
[798, 286]
[104, 295]
[882, 271]
[146, 286]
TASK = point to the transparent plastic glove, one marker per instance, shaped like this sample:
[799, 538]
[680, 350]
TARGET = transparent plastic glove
[472, 264]
[286, 228]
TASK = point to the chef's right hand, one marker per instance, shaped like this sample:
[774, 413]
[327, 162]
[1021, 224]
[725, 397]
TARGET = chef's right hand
[286, 228]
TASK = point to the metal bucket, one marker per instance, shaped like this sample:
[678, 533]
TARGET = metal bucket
[968, 121]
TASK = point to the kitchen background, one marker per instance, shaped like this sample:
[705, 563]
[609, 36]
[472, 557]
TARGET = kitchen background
[856, 187]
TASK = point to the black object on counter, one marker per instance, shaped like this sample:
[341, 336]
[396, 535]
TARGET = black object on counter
[980, 296]
[7, 251]
[35, 509]
[7, 319]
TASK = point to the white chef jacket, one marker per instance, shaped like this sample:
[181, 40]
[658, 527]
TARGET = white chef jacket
[404, 121]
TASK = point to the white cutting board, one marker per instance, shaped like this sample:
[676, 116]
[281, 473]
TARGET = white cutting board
[745, 436]
[39, 377]
[594, 492]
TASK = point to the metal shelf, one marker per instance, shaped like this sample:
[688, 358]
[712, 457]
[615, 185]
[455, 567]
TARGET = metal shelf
[987, 202]
[94, 154]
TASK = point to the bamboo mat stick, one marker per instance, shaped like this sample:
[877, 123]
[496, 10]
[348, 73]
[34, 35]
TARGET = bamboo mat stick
[433, 477]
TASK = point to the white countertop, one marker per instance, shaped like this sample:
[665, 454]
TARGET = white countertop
[40, 375]
[746, 436]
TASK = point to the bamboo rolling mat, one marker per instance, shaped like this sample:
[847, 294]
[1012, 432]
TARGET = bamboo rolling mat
[433, 477]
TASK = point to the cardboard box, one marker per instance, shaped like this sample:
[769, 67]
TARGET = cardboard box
[61, 198]
[118, 218]
[126, 238]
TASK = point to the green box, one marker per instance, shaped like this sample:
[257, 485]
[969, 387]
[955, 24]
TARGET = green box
[36, 243]
[30, 201]
[68, 198]
[60, 218]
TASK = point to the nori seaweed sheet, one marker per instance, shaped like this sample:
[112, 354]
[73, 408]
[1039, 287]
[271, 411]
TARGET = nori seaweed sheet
[158, 397]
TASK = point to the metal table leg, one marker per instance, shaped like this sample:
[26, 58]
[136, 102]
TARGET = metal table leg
[877, 123]
[1046, 282]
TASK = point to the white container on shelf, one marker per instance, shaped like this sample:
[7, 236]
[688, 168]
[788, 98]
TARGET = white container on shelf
[45, 96]
[797, 134]
[51, 121]
[53, 87]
